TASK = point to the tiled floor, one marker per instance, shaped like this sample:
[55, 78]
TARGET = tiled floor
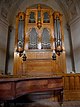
[44, 103]
[47, 103]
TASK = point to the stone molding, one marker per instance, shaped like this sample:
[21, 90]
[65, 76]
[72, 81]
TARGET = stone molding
[4, 23]
[75, 20]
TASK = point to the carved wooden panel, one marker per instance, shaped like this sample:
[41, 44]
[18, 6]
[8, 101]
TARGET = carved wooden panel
[71, 86]
[19, 86]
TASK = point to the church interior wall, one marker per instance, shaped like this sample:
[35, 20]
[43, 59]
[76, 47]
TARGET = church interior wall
[75, 34]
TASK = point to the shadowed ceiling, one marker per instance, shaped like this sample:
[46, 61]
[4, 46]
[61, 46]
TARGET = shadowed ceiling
[9, 8]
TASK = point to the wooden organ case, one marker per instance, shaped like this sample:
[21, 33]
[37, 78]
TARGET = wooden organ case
[39, 43]
[38, 55]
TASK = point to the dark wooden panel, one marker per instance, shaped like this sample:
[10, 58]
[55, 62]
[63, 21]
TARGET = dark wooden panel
[71, 86]
[17, 87]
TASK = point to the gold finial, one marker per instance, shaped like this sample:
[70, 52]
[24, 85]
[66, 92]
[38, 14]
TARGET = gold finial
[39, 7]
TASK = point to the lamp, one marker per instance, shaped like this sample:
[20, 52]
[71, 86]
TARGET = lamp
[24, 56]
[20, 48]
[54, 56]
[58, 47]
[21, 51]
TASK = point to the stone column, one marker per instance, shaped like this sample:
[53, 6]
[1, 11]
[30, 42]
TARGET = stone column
[10, 51]
[71, 48]
[75, 35]
[3, 44]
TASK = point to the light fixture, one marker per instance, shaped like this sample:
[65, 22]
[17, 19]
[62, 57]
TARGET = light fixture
[54, 55]
[58, 47]
[21, 52]
[24, 56]
[20, 48]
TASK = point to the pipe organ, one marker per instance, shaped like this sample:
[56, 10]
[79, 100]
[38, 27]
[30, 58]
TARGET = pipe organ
[39, 42]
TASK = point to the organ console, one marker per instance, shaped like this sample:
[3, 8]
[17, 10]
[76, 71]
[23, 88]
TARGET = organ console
[15, 87]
